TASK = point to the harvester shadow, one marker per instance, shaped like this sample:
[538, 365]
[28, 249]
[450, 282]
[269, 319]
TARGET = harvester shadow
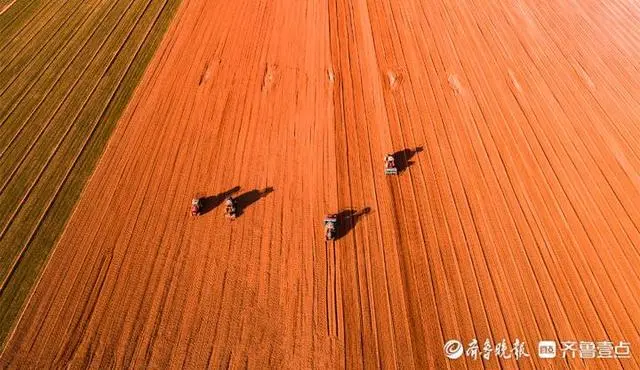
[246, 199]
[211, 202]
[347, 220]
[403, 158]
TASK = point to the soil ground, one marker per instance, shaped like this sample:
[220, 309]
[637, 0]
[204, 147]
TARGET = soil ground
[515, 213]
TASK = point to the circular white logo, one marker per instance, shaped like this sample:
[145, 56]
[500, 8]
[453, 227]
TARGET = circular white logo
[453, 349]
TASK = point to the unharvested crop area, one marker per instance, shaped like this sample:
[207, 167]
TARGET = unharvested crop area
[67, 70]
[515, 214]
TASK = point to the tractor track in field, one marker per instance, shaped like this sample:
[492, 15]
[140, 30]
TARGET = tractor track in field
[514, 215]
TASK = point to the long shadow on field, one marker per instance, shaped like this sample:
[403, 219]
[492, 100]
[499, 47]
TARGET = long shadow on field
[211, 202]
[347, 220]
[246, 199]
[403, 158]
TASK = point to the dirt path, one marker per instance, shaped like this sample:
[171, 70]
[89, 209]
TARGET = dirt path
[514, 215]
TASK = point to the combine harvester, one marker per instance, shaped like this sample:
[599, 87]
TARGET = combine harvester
[196, 206]
[390, 165]
[230, 209]
[330, 223]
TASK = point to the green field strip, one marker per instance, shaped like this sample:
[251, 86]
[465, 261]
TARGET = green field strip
[13, 20]
[5, 3]
[37, 28]
[40, 46]
[58, 75]
[65, 124]
[34, 81]
[56, 126]
[48, 180]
